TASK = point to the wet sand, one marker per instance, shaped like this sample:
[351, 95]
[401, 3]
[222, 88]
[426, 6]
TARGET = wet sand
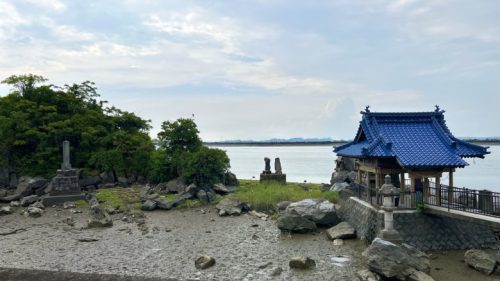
[245, 248]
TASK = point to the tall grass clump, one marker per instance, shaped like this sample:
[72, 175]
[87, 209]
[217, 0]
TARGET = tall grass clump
[265, 196]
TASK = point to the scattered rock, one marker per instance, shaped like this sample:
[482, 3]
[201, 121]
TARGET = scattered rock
[276, 271]
[3, 192]
[339, 186]
[230, 179]
[417, 275]
[231, 207]
[87, 239]
[11, 231]
[262, 266]
[205, 197]
[204, 262]
[295, 223]
[34, 212]
[281, 206]
[366, 275]
[342, 230]
[123, 181]
[393, 261]
[5, 210]
[28, 185]
[220, 189]
[338, 242]
[69, 205]
[480, 261]
[28, 200]
[87, 181]
[258, 215]
[15, 203]
[174, 186]
[302, 263]
[38, 204]
[148, 205]
[98, 217]
[69, 221]
[322, 212]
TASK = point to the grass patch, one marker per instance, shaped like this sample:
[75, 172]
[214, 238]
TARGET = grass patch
[123, 199]
[82, 204]
[265, 196]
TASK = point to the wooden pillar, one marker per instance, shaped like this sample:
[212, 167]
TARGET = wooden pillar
[438, 190]
[425, 190]
[412, 183]
[450, 187]
[377, 185]
[403, 187]
[359, 176]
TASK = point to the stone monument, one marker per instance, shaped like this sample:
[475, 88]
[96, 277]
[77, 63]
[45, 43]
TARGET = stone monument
[64, 186]
[389, 192]
[277, 176]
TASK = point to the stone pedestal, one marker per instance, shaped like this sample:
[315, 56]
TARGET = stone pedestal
[64, 187]
[281, 178]
[389, 192]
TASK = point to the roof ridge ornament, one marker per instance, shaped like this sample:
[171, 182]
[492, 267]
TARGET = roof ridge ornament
[438, 109]
[367, 110]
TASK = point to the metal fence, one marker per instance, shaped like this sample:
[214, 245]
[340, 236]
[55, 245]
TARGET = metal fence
[482, 202]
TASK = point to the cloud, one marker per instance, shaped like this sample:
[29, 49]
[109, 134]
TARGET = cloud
[54, 5]
[10, 19]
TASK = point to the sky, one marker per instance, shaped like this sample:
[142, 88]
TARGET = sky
[267, 68]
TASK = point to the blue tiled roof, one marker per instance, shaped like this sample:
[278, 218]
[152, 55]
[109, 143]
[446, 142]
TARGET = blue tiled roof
[416, 140]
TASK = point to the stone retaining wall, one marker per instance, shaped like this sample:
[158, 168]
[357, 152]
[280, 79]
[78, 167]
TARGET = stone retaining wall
[422, 230]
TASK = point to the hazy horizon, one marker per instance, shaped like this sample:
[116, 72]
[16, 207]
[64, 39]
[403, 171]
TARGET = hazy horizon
[266, 69]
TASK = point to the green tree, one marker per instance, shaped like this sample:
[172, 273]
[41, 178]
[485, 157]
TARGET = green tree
[205, 167]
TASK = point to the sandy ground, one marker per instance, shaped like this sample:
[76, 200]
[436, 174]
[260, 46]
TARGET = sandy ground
[245, 248]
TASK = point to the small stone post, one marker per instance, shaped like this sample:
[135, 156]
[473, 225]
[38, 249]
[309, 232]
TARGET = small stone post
[277, 166]
[66, 165]
[389, 192]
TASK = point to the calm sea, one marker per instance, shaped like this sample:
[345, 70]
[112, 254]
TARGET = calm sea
[316, 163]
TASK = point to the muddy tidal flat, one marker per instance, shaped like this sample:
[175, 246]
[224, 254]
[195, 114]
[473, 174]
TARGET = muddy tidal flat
[165, 246]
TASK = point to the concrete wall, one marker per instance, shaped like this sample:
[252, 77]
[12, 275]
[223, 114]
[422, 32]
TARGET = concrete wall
[420, 229]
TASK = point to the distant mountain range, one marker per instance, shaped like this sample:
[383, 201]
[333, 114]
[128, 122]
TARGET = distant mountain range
[324, 140]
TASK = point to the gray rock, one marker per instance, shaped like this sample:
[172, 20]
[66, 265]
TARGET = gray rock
[276, 271]
[193, 189]
[34, 212]
[15, 203]
[69, 205]
[281, 206]
[98, 217]
[220, 189]
[417, 275]
[366, 275]
[148, 205]
[123, 181]
[302, 263]
[230, 179]
[28, 200]
[295, 223]
[4, 177]
[231, 207]
[6, 210]
[13, 180]
[204, 262]
[3, 192]
[87, 181]
[203, 196]
[175, 186]
[38, 204]
[480, 261]
[342, 230]
[393, 261]
[338, 242]
[28, 186]
[339, 186]
[107, 178]
[321, 212]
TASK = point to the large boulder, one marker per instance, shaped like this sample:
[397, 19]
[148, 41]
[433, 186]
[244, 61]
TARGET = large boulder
[321, 212]
[175, 186]
[342, 230]
[99, 217]
[29, 185]
[205, 196]
[6, 210]
[295, 223]
[34, 212]
[89, 181]
[231, 207]
[480, 261]
[28, 200]
[107, 178]
[339, 186]
[230, 179]
[366, 275]
[220, 188]
[396, 262]
[148, 205]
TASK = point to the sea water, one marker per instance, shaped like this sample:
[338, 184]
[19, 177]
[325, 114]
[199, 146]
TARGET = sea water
[315, 163]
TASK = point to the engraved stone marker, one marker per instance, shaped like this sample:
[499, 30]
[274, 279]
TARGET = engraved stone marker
[277, 166]
[66, 165]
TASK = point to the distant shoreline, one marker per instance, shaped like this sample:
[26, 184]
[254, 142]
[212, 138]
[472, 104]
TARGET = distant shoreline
[320, 143]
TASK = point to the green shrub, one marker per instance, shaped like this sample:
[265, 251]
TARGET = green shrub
[265, 196]
[205, 167]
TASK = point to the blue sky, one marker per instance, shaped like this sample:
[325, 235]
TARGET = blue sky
[265, 69]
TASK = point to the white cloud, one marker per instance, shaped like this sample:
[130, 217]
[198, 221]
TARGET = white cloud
[54, 5]
[10, 19]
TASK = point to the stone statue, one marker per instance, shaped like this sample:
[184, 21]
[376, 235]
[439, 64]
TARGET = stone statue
[277, 166]
[267, 168]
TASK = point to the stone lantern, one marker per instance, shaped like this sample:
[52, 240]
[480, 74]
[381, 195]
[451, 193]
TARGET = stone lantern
[389, 193]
